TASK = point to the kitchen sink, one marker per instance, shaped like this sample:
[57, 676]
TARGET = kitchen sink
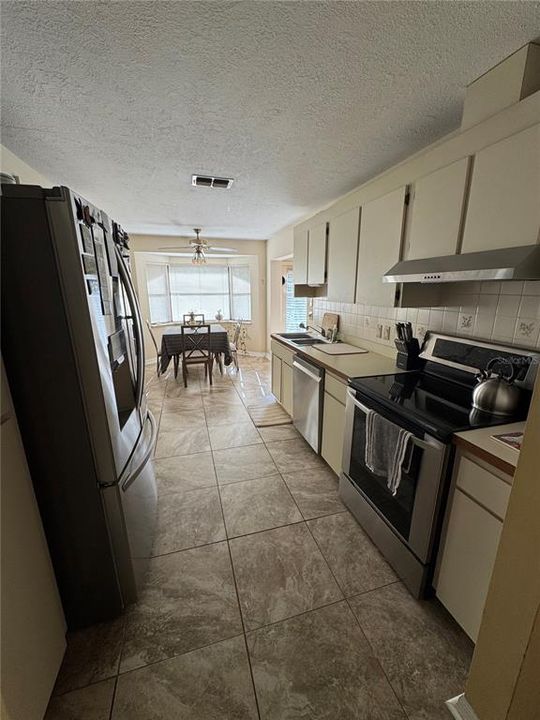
[294, 335]
[307, 341]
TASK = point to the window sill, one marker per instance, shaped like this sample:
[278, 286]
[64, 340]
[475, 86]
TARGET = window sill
[211, 322]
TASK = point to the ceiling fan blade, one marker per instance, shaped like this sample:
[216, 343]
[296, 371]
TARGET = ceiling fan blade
[175, 248]
[221, 249]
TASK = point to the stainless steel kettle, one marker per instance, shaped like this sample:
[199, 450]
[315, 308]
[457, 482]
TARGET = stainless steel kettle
[495, 392]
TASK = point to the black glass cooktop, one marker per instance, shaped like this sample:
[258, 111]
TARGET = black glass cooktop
[438, 406]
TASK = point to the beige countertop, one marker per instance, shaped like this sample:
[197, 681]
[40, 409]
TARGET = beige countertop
[345, 366]
[481, 443]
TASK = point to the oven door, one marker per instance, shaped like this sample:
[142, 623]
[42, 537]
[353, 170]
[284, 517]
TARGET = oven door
[411, 512]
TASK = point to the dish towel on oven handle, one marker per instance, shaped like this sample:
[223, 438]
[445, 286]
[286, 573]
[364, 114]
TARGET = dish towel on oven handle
[385, 448]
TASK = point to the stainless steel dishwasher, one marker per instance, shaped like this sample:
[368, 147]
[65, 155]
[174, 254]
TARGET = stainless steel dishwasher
[308, 389]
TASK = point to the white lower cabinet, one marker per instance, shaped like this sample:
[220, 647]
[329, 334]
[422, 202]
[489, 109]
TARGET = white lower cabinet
[287, 387]
[333, 432]
[276, 377]
[282, 376]
[470, 540]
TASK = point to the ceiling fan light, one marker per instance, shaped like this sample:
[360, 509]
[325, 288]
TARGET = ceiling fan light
[198, 257]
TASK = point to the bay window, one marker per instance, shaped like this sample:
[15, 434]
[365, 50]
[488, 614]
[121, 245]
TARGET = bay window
[176, 289]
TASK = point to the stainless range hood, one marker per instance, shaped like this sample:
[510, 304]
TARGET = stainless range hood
[518, 263]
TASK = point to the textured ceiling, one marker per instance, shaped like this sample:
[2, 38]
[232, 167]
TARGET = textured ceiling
[298, 101]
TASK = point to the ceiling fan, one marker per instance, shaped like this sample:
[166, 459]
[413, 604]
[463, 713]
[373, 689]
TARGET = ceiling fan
[199, 246]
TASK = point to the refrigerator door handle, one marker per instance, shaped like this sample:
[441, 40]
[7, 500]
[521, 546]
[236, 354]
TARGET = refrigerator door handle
[149, 450]
[137, 324]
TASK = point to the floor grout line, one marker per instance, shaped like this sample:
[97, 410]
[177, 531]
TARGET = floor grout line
[177, 655]
[379, 663]
[346, 599]
[239, 605]
[170, 382]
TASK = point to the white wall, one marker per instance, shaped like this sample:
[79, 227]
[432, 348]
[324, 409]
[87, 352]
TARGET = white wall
[278, 248]
[10, 163]
[253, 250]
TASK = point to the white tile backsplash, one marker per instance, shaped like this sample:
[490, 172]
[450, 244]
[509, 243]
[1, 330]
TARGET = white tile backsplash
[530, 306]
[507, 312]
[508, 305]
[531, 287]
[512, 287]
[503, 328]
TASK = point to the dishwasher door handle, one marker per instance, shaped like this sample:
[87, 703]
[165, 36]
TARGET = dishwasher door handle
[303, 369]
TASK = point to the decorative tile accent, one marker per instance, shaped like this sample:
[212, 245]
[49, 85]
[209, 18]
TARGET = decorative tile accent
[526, 331]
[508, 299]
[465, 323]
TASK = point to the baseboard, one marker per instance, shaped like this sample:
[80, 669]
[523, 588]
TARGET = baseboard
[460, 709]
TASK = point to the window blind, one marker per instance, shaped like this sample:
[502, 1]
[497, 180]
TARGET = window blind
[175, 290]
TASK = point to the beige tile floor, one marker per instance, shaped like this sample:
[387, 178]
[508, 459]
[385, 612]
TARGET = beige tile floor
[264, 598]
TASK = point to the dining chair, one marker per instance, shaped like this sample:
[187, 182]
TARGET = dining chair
[234, 344]
[158, 351]
[196, 349]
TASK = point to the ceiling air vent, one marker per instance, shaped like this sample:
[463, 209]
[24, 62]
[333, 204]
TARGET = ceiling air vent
[210, 181]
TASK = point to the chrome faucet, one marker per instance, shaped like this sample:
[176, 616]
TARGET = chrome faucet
[317, 328]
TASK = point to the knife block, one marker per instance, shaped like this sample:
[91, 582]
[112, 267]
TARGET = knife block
[408, 352]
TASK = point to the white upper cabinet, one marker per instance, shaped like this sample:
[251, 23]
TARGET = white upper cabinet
[343, 256]
[381, 234]
[300, 257]
[437, 211]
[317, 255]
[504, 200]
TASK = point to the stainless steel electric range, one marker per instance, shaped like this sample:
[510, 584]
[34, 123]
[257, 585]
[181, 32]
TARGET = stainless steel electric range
[432, 403]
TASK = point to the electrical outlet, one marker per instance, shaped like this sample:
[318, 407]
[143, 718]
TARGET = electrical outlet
[387, 330]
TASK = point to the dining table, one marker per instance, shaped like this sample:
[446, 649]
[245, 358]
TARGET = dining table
[172, 344]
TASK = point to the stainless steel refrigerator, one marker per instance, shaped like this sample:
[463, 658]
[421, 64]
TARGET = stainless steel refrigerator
[72, 342]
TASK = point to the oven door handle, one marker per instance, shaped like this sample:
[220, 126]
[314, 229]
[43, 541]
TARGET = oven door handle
[421, 443]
